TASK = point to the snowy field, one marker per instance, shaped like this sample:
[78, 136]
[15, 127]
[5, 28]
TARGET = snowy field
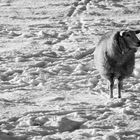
[49, 87]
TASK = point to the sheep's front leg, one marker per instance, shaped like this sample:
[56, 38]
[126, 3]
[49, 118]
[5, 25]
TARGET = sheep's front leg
[111, 86]
[119, 86]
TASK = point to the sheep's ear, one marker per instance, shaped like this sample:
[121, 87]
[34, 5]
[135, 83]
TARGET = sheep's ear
[121, 33]
[137, 31]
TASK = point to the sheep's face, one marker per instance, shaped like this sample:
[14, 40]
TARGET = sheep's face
[130, 38]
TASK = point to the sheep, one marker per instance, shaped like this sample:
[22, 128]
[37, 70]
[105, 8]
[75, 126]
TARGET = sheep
[114, 56]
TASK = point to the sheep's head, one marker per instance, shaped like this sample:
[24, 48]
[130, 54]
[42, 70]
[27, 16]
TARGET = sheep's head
[130, 38]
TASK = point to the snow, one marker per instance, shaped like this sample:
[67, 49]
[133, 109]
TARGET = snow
[49, 87]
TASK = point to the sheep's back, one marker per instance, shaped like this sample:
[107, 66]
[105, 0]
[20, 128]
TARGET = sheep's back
[101, 61]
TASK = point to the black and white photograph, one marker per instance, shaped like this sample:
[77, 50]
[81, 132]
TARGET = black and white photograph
[69, 69]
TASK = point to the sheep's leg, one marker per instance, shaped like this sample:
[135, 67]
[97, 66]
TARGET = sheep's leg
[119, 86]
[111, 85]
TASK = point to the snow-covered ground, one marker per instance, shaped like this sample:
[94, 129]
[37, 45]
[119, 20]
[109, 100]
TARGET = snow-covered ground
[49, 87]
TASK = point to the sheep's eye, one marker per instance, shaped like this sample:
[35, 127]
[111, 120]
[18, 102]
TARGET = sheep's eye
[127, 35]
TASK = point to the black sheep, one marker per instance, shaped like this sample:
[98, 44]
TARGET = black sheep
[114, 56]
